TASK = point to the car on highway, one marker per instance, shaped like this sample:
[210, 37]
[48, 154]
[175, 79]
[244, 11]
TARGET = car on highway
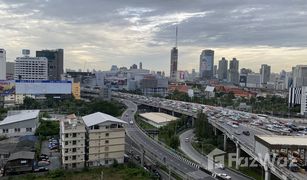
[238, 132]
[246, 133]
[131, 122]
[223, 176]
[187, 139]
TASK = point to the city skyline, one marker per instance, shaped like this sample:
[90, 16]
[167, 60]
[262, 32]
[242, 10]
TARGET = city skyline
[130, 31]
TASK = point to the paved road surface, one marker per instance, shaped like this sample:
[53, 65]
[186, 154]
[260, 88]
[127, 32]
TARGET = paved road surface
[188, 149]
[158, 150]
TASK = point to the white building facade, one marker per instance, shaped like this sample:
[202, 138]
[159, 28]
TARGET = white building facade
[304, 101]
[2, 64]
[31, 68]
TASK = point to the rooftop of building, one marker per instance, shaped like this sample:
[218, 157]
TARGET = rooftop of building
[282, 141]
[158, 117]
[98, 118]
[72, 122]
[22, 155]
[20, 116]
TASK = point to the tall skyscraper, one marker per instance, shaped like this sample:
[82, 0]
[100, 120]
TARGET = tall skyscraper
[223, 67]
[299, 76]
[10, 70]
[55, 62]
[265, 73]
[233, 75]
[31, 68]
[141, 65]
[174, 60]
[206, 64]
[2, 64]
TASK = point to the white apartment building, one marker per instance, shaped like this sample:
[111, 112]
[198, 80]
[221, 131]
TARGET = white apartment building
[2, 64]
[93, 140]
[106, 139]
[31, 68]
[73, 140]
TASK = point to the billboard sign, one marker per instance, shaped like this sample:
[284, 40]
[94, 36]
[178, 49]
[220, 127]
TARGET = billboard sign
[36, 87]
[7, 88]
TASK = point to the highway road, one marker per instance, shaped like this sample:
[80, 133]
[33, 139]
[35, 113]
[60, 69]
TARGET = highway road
[160, 152]
[219, 120]
[188, 149]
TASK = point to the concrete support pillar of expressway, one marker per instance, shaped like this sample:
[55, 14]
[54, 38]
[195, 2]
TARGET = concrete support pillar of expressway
[267, 173]
[238, 156]
[159, 109]
[173, 113]
[215, 131]
[225, 142]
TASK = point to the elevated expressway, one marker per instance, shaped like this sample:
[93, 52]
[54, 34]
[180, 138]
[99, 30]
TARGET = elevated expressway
[245, 143]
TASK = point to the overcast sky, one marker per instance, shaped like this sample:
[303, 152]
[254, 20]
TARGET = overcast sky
[99, 33]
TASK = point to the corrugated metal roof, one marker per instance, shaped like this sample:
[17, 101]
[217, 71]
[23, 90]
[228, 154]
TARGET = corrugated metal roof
[158, 117]
[98, 117]
[22, 116]
[21, 155]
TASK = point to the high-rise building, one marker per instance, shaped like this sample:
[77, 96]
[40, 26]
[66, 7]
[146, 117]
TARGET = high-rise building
[2, 64]
[233, 72]
[55, 62]
[141, 65]
[174, 60]
[265, 73]
[10, 70]
[223, 67]
[174, 63]
[206, 64]
[304, 101]
[31, 68]
[299, 76]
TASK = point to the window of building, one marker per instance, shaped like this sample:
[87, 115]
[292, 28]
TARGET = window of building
[74, 150]
[113, 126]
[66, 158]
[106, 161]
[66, 150]
[107, 141]
[66, 143]
[106, 148]
[74, 165]
[28, 129]
[96, 127]
[17, 129]
[5, 131]
[107, 134]
[74, 134]
[74, 142]
[74, 157]
[66, 135]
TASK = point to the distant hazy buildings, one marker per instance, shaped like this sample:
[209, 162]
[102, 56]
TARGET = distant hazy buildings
[206, 64]
[31, 68]
[55, 62]
[233, 73]
[2, 64]
[253, 80]
[174, 63]
[223, 67]
[265, 73]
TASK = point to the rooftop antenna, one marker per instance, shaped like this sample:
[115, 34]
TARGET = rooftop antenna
[176, 36]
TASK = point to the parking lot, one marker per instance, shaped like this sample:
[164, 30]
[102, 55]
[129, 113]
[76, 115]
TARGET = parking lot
[54, 156]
